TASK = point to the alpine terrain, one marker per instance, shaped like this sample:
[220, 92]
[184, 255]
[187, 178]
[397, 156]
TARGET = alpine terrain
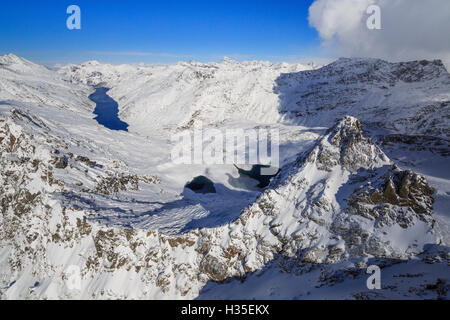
[90, 212]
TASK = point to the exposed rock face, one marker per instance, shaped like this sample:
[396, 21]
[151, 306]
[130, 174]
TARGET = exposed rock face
[401, 189]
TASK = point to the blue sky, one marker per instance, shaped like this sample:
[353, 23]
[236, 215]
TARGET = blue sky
[158, 31]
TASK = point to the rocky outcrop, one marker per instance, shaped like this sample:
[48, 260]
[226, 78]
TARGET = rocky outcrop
[398, 188]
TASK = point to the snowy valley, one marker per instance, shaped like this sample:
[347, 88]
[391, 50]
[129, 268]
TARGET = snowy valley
[364, 180]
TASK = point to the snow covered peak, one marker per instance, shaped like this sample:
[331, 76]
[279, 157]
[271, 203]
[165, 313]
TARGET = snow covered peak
[10, 58]
[228, 60]
[348, 124]
[94, 73]
[346, 133]
[346, 187]
[18, 64]
[22, 81]
[91, 63]
[344, 145]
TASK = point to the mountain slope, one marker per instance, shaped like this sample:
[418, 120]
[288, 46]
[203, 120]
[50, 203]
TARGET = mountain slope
[27, 82]
[75, 196]
[410, 98]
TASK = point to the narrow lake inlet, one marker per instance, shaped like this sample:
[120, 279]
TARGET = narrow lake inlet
[107, 110]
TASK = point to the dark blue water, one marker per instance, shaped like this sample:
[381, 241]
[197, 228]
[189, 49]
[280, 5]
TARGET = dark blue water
[107, 110]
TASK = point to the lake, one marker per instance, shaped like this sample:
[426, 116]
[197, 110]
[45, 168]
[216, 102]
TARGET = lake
[107, 110]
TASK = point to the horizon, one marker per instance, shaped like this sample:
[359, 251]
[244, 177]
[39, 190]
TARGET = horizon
[314, 62]
[160, 33]
[319, 31]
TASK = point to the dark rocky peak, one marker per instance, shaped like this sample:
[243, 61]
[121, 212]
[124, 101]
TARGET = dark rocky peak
[345, 145]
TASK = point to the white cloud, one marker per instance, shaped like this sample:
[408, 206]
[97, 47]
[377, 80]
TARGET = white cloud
[411, 29]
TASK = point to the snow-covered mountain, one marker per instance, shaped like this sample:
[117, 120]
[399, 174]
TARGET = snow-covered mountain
[77, 196]
[175, 96]
[411, 98]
